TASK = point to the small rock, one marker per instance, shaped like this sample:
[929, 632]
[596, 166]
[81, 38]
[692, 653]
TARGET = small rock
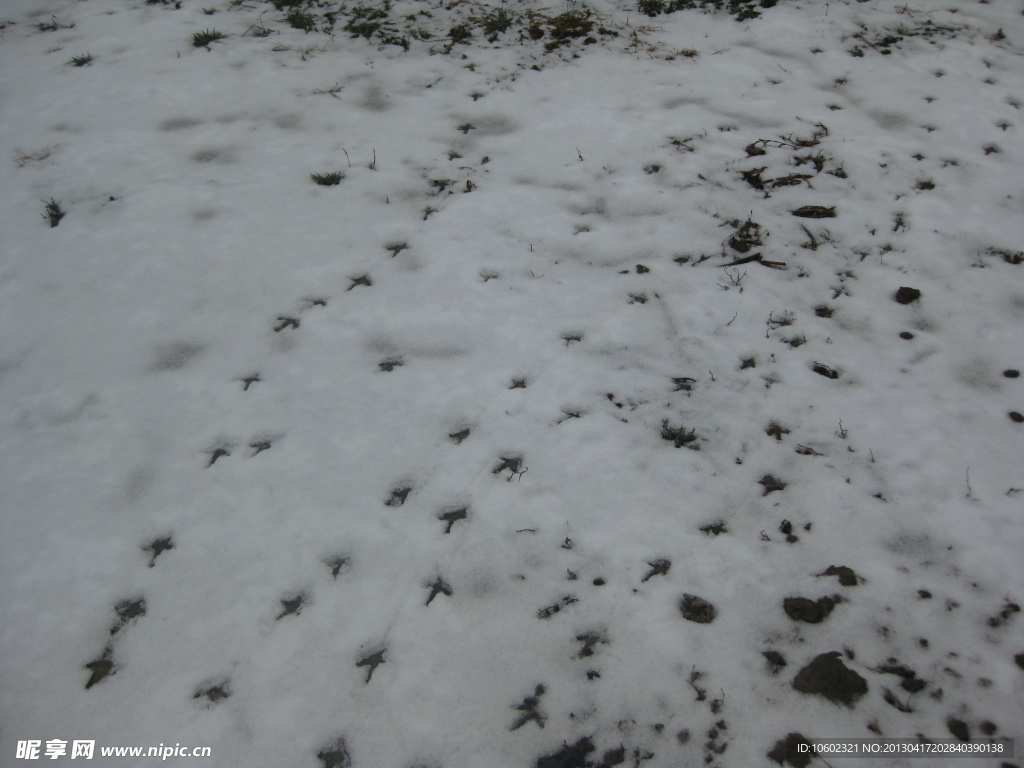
[697, 609]
[907, 295]
[1011, 373]
[827, 676]
[1016, 416]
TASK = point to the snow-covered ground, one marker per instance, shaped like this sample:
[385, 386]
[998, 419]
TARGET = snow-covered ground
[576, 426]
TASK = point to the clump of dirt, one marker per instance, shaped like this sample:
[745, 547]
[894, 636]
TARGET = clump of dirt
[807, 610]
[697, 609]
[776, 661]
[846, 576]
[959, 729]
[658, 568]
[569, 756]
[398, 496]
[126, 611]
[747, 236]
[157, 547]
[453, 517]
[335, 754]
[906, 295]
[910, 682]
[827, 676]
[786, 751]
[104, 667]
[771, 483]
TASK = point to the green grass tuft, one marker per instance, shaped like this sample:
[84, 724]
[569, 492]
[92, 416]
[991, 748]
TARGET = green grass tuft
[207, 36]
[679, 436]
[327, 179]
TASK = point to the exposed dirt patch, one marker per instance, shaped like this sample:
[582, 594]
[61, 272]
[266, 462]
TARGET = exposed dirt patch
[697, 609]
[828, 677]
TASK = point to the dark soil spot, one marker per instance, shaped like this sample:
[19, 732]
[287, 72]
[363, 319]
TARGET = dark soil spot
[808, 611]
[126, 611]
[697, 609]
[216, 453]
[658, 568]
[599, 582]
[551, 610]
[776, 430]
[337, 564]
[458, 437]
[398, 496]
[824, 370]
[617, 756]
[683, 383]
[249, 380]
[574, 756]
[988, 727]
[823, 311]
[390, 364]
[589, 640]
[907, 335]
[396, 248]
[714, 529]
[213, 692]
[286, 322]
[907, 295]
[517, 384]
[157, 547]
[511, 463]
[1015, 416]
[372, 661]
[776, 661]
[924, 594]
[846, 575]
[815, 212]
[363, 280]
[439, 587]
[910, 681]
[746, 237]
[291, 605]
[1011, 373]
[531, 712]
[641, 269]
[959, 729]
[1019, 660]
[753, 177]
[748, 362]
[259, 446]
[452, 517]
[771, 483]
[827, 676]
[1009, 609]
[786, 751]
[101, 667]
[335, 755]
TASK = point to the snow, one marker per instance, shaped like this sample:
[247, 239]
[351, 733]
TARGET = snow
[519, 280]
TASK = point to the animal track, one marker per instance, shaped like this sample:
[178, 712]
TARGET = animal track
[157, 547]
